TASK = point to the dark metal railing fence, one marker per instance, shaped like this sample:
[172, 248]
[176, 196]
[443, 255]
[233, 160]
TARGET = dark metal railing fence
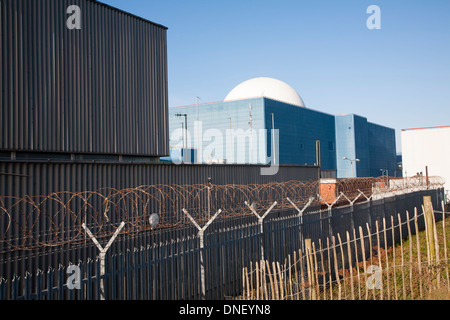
[174, 266]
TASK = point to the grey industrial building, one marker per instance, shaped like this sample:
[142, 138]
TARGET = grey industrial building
[78, 101]
[86, 108]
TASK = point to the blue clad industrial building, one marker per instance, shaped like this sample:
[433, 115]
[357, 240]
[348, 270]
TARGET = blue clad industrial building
[373, 144]
[239, 130]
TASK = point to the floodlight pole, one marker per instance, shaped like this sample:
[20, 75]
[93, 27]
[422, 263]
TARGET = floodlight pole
[351, 163]
[250, 122]
[273, 138]
[183, 134]
[198, 135]
[231, 143]
[185, 124]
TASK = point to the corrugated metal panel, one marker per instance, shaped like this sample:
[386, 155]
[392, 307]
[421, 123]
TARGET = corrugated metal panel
[40, 178]
[101, 89]
[43, 178]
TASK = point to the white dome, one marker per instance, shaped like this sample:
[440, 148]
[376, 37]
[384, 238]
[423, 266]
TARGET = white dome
[268, 88]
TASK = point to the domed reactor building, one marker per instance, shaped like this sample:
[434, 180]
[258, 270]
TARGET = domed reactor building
[265, 121]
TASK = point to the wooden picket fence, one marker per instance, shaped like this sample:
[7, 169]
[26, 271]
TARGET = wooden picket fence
[392, 263]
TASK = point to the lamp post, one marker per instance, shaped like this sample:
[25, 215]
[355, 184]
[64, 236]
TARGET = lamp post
[250, 123]
[383, 171]
[182, 131]
[273, 139]
[198, 136]
[185, 125]
[183, 150]
[231, 142]
[351, 163]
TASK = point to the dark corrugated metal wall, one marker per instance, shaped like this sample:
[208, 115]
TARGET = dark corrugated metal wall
[101, 89]
[43, 178]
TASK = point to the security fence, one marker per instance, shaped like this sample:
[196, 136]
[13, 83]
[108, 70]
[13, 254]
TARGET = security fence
[201, 256]
[393, 262]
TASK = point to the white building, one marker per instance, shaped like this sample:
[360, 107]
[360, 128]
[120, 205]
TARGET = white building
[427, 147]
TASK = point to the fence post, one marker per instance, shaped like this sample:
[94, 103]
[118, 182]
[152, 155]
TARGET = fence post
[362, 194]
[310, 269]
[260, 223]
[429, 226]
[445, 244]
[209, 202]
[2, 289]
[431, 234]
[300, 216]
[102, 254]
[329, 211]
[419, 261]
[201, 232]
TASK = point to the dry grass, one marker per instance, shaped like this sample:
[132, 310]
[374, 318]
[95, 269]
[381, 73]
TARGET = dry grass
[404, 278]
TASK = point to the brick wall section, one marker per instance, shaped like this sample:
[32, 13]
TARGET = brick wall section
[328, 190]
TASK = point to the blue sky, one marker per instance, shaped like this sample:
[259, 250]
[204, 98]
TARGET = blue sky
[398, 76]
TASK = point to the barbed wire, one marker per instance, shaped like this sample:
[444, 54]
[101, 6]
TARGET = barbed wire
[391, 184]
[33, 222]
[352, 187]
